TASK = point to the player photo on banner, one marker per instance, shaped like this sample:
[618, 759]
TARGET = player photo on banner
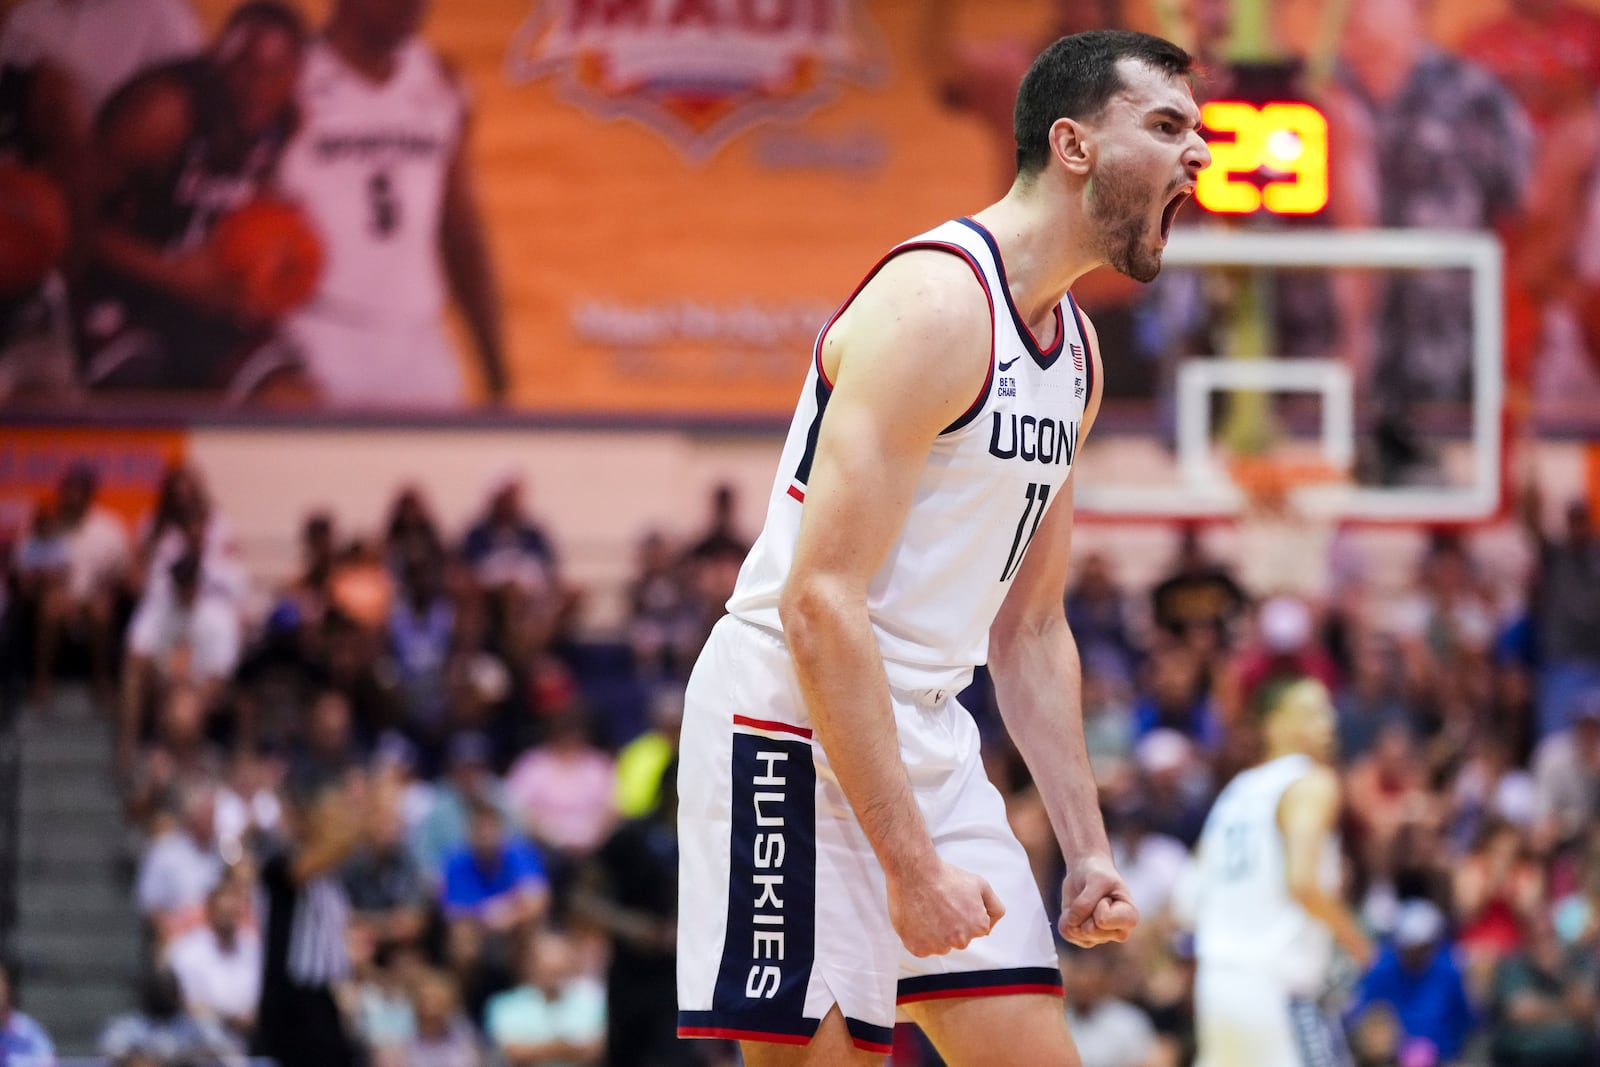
[649, 207]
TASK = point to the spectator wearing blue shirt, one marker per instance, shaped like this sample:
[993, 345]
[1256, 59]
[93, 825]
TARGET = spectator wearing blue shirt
[1177, 697]
[23, 1042]
[1416, 976]
[470, 780]
[497, 881]
[506, 547]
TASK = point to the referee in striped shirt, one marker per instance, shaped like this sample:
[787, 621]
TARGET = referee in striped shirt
[307, 917]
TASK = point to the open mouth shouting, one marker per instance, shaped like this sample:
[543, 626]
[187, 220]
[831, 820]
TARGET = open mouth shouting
[1170, 212]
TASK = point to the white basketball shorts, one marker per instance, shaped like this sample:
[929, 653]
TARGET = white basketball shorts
[378, 365]
[783, 911]
[1246, 1019]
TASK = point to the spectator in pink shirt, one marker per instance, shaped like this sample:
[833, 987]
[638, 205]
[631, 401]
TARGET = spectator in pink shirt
[562, 792]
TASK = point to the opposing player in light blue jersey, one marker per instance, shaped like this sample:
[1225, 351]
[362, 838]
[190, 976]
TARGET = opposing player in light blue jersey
[843, 853]
[1267, 910]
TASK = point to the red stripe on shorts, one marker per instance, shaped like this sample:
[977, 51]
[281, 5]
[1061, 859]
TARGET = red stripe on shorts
[743, 1035]
[775, 727]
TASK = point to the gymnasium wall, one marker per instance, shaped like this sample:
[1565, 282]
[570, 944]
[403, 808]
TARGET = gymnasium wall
[266, 480]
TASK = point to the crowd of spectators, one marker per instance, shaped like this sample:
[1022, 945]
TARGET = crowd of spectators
[405, 753]
[404, 804]
[465, 803]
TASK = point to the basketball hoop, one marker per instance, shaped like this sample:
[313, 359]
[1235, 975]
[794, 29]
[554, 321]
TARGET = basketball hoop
[1273, 485]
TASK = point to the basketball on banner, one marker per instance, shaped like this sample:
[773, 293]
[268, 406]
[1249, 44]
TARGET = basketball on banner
[698, 72]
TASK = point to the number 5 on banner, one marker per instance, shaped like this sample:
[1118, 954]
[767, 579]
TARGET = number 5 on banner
[1277, 159]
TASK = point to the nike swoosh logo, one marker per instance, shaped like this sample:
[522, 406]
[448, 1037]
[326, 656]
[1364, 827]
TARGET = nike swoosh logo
[1007, 366]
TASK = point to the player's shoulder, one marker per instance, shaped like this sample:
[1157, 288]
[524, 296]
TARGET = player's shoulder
[1317, 785]
[929, 286]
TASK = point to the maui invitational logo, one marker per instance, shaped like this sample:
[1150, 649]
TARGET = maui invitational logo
[698, 72]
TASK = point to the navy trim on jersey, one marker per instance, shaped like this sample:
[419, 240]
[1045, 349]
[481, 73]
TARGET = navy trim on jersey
[770, 938]
[868, 1037]
[988, 381]
[993, 983]
[802, 470]
[1044, 357]
[1088, 350]
[802, 473]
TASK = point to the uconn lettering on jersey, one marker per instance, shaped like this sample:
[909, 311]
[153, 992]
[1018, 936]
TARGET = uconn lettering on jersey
[1031, 439]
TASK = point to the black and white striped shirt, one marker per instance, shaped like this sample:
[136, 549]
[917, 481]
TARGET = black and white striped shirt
[306, 926]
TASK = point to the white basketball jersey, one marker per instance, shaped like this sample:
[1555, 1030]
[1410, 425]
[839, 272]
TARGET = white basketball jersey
[1245, 917]
[989, 480]
[369, 166]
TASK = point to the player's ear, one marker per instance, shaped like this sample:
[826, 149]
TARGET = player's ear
[1072, 145]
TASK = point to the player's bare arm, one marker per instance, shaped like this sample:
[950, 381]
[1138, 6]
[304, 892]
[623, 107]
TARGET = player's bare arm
[1033, 660]
[1307, 815]
[470, 270]
[906, 360]
[138, 139]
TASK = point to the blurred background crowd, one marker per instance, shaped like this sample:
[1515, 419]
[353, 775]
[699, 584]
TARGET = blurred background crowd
[416, 716]
[422, 747]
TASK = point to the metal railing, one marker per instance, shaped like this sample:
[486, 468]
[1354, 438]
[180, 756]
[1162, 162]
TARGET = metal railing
[11, 682]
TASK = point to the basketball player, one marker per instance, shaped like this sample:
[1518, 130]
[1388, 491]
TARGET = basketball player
[1268, 911]
[842, 850]
[381, 166]
[173, 151]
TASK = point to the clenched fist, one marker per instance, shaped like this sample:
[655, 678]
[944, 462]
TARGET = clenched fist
[1095, 904]
[946, 910]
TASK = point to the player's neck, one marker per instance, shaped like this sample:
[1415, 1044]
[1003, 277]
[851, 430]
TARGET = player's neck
[1041, 241]
[375, 63]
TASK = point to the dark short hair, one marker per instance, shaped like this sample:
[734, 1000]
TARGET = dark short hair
[185, 570]
[1075, 77]
[270, 14]
[81, 472]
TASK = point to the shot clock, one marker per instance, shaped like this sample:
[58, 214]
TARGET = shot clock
[1269, 147]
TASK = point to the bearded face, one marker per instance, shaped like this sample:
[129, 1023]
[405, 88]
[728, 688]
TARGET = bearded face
[1120, 199]
[1146, 156]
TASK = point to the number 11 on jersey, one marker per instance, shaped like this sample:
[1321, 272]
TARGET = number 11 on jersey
[1038, 496]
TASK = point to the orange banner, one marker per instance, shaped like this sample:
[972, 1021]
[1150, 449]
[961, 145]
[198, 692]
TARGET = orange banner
[678, 192]
[129, 464]
[681, 192]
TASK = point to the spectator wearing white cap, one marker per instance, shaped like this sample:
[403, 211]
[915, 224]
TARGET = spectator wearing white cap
[1176, 785]
[1416, 977]
[1285, 647]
